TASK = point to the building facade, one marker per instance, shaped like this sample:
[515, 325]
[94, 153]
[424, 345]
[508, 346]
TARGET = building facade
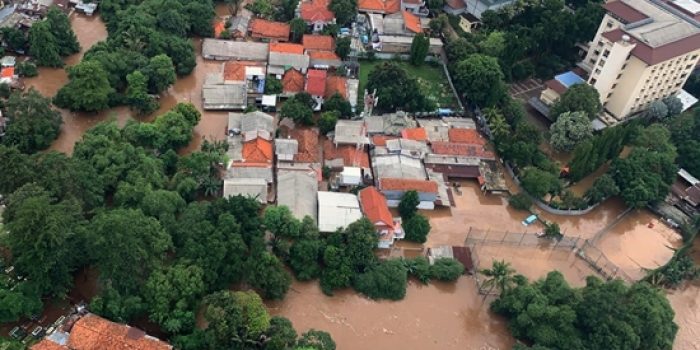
[643, 51]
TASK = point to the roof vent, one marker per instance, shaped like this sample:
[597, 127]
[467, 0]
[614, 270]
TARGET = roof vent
[625, 38]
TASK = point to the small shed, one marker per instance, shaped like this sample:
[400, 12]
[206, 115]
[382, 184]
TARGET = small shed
[351, 176]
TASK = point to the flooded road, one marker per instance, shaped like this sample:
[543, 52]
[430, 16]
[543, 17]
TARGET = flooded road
[91, 30]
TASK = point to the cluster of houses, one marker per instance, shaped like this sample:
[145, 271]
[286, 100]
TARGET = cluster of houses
[383, 156]
[22, 14]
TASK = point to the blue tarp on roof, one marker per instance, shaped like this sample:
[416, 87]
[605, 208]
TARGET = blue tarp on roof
[569, 78]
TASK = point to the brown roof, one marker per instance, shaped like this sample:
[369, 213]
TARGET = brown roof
[412, 22]
[349, 153]
[380, 140]
[397, 184]
[693, 194]
[456, 4]
[262, 28]
[461, 149]
[337, 84]
[258, 151]
[92, 332]
[374, 206]
[464, 135]
[293, 81]
[287, 48]
[625, 12]
[235, 70]
[556, 86]
[316, 11]
[308, 145]
[659, 54]
[385, 6]
[318, 42]
[46, 344]
[323, 55]
[417, 134]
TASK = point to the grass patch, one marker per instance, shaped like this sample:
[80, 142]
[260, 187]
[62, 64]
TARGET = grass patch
[431, 80]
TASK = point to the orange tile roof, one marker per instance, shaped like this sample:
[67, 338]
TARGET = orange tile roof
[316, 82]
[461, 149]
[92, 332]
[396, 184]
[380, 140]
[349, 153]
[7, 72]
[337, 84]
[323, 55]
[262, 28]
[235, 70]
[392, 6]
[316, 11]
[258, 150]
[46, 344]
[417, 134]
[412, 22]
[374, 206]
[370, 5]
[462, 135]
[218, 28]
[293, 81]
[287, 48]
[318, 42]
[308, 145]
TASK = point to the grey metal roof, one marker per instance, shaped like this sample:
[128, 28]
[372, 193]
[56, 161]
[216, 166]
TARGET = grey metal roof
[389, 124]
[298, 191]
[235, 148]
[415, 148]
[234, 50]
[224, 96]
[450, 159]
[350, 132]
[247, 187]
[286, 146]
[436, 129]
[282, 59]
[251, 121]
[241, 21]
[398, 166]
[243, 172]
[458, 122]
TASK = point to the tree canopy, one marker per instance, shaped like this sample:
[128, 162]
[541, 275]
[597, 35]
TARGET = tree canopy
[569, 130]
[33, 123]
[397, 90]
[480, 79]
[578, 98]
[88, 89]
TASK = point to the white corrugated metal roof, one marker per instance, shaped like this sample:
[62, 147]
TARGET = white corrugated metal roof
[337, 210]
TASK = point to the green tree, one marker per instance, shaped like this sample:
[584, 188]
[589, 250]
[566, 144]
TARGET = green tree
[200, 16]
[520, 201]
[173, 131]
[538, 182]
[305, 257]
[436, 5]
[327, 121]
[497, 123]
[500, 276]
[172, 21]
[297, 111]
[298, 28]
[344, 10]
[261, 8]
[43, 45]
[315, 339]
[281, 334]
[235, 319]
[603, 187]
[578, 98]
[160, 72]
[480, 79]
[15, 39]
[657, 110]
[408, 205]
[66, 41]
[417, 228]
[27, 69]
[88, 89]
[446, 269]
[569, 130]
[68, 178]
[34, 123]
[644, 176]
[438, 24]
[396, 89]
[268, 275]
[137, 94]
[674, 104]
[172, 296]
[117, 306]
[280, 221]
[339, 104]
[18, 169]
[386, 281]
[273, 85]
[342, 46]
[419, 267]
[126, 246]
[494, 44]
[20, 300]
[419, 49]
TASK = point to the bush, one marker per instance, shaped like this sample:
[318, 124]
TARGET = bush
[327, 121]
[520, 201]
[386, 281]
[417, 228]
[419, 267]
[446, 269]
[408, 204]
[27, 69]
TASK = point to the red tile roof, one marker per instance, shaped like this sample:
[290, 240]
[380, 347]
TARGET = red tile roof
[316, 82]
[287, 48]
[308, 145]
[392, 6]
[7, 72]
[380, 140]
[218, 28]
[396, 184]
[374, 207]
[92, 332]
[235, 70]
[318, 42]
[463, 135]
[316, 11]
[323, 55]
[257, 151]
[262, 28]
[349, 153]
[337, 84]
[412, 22]
[659, 54]
[626, 12]
[383, 6]
[46, 344]
[456, 4]
[417, 134]
[461, 149]
[293, 81]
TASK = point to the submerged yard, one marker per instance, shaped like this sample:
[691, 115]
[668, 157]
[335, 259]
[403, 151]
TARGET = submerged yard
[430, 76]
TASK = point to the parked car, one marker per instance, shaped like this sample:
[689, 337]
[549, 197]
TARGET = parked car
[38, 331]
[17, 333]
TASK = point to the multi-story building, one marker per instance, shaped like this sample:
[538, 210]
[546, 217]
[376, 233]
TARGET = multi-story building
[644, 50]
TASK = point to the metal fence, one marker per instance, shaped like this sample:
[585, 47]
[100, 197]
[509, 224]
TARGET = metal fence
[477, 236]
[599, 262]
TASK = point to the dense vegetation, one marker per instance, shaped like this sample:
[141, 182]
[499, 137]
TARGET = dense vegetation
[397, 90]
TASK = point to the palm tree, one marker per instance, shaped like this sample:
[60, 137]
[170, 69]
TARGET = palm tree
[497, 123]
[500, 276]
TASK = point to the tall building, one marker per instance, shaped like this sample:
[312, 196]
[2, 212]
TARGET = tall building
[644, 50]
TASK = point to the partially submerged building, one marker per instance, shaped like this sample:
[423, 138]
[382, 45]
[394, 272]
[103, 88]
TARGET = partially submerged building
[284, 56]
[225, 50]
[337, 210]
[269, 31]
[298, 190]
[374, 206]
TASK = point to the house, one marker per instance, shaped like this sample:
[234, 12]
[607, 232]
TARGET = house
[269, 30]
[324, 59]
[464, 135]
[255, 188]
[240, 23]
[287, 55]
[89, 332]
[462, 149]
[7, 75]
[402, 44]
[219, 95]
[256, 152]
[558, 86]
[417, 134]
[687, 190]
[374, 206]
[252, 73]
[402, 23]
[461, 254]
[399, 166]
[416, 7]
[389, 124]
[298, 190]
[286, 149]
[350, 132]
[244, 127]
[411, 148]
[379, 6]
[478, 7]
[468, 22]
[337, 210]
[454, 7]
[316, 14]
[315, 42]
[395, 188]
[316, 85]
[293, 82]
[435, 129]
[225, 50]
[342, 156]
[336, 84]
[308, 149]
